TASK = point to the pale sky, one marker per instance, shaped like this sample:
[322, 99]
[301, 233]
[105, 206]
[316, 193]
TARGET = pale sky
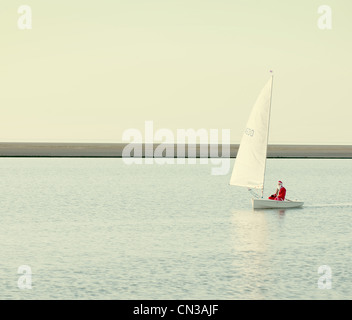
[89, 70]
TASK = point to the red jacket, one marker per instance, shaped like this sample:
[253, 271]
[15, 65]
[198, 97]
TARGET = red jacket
[282, 194]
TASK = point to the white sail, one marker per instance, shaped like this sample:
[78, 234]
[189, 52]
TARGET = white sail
[249, 168]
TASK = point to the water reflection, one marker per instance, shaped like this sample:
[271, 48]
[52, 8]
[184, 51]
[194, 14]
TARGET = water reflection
[251, 260]
[279, 212]
[249, 230]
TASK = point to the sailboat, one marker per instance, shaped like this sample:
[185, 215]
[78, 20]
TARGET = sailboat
[250, 165]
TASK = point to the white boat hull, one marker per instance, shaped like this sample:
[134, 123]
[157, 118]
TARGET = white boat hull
[273, 204]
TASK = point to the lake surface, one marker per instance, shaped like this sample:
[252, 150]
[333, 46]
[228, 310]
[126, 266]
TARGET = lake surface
[101, 229]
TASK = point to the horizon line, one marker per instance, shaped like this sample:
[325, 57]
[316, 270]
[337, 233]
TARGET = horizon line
[195, 150]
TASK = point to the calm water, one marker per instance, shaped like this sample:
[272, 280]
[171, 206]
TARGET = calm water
[99, 229]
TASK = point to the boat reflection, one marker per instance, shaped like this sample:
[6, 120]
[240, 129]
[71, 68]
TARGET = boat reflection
[279, 212]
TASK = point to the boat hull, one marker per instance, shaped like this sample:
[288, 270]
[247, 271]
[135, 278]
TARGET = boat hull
[273, 204]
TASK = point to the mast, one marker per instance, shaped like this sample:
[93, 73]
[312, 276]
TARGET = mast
[267, 136]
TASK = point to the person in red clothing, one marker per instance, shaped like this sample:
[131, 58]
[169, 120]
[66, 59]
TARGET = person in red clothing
[280, 193]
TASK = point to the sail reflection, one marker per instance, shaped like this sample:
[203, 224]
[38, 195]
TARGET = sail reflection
[250, 231]
[252, 256]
